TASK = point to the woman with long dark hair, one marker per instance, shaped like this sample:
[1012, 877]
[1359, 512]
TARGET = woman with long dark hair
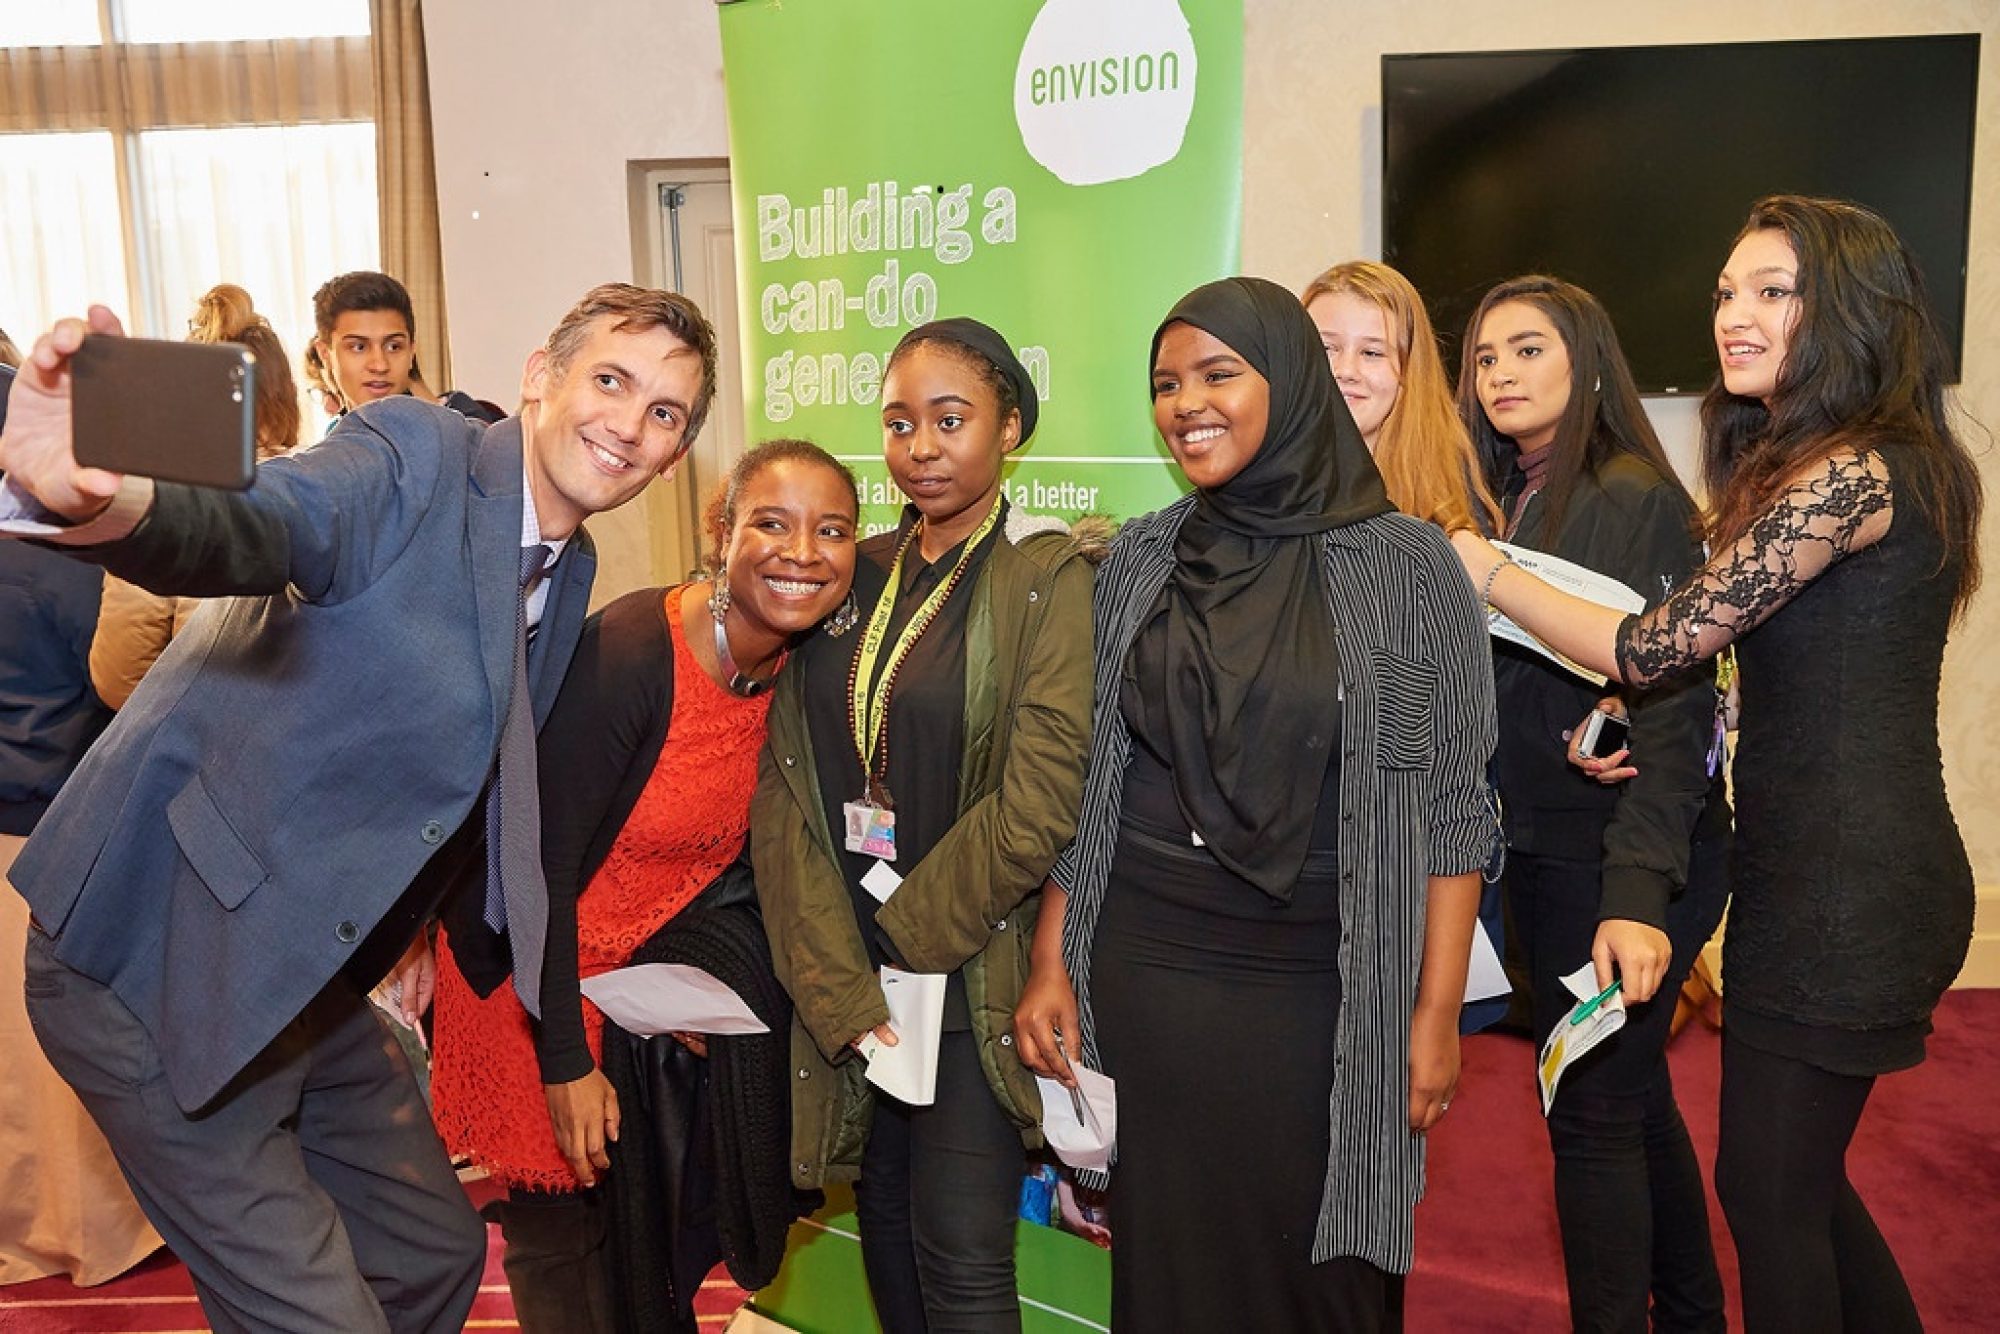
[1844, 541]
[1629, 877]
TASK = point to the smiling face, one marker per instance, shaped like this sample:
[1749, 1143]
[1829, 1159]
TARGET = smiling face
[1355, 333]
[598, 429]
[790, 557]
[1523, 373]
[1756, 309]
[944, 437]
[1212, 407]
[369, 354]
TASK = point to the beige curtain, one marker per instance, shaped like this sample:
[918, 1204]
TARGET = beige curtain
[139, 174]
[200, 84]
[406, 176]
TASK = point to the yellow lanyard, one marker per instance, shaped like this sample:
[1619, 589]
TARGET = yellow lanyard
[867, 697]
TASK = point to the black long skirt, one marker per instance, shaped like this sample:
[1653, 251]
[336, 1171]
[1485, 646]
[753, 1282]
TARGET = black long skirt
[1216, 1009]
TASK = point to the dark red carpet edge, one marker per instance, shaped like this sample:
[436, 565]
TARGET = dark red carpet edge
[156, 1298]
[1926, 1159]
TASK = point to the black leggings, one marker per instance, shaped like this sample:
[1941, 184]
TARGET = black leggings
[939, 1193]
[1636, 1249]
[1812, 1259]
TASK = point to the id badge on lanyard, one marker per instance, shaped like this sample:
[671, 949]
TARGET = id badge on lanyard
[871, 829]
[870, 821]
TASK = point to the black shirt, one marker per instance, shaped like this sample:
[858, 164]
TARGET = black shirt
[1150, 801]
[926, 724]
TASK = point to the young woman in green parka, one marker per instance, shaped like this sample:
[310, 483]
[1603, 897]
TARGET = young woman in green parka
[942, 742]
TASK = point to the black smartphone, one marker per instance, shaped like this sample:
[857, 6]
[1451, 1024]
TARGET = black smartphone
[1603, 734]
[179, 412]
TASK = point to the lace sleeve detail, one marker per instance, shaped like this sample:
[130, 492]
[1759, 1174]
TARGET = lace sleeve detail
[1843, 504]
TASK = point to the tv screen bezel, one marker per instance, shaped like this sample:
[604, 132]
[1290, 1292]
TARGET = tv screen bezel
[1954, 336]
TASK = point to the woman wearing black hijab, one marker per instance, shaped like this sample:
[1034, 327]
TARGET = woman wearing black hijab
[1283, 823]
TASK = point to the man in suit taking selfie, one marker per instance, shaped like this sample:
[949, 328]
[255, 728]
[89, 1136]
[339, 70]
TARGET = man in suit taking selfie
[310, 768]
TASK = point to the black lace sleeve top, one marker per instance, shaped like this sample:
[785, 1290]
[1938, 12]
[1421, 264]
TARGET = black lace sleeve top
[1853, 898]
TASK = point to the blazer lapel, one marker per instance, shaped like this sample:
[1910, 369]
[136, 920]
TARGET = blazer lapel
[562, 618]
[493, 531]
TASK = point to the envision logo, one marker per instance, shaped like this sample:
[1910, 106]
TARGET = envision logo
[1105, 88]
[1108, 77]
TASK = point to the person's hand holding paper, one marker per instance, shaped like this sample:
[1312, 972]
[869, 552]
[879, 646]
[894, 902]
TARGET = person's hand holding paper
[1081, 1124]
[907, 1069]
[1577, 580]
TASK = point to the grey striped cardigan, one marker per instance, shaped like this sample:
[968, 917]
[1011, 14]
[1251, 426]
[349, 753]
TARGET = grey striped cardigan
[1417, 701]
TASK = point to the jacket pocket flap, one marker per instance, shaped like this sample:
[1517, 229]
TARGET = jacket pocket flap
[229, 869]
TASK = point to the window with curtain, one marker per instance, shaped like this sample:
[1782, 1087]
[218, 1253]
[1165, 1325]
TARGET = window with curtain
[150, 149]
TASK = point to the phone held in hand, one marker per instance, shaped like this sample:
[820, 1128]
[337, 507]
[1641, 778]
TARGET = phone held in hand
[178, 412]
[1603, 734]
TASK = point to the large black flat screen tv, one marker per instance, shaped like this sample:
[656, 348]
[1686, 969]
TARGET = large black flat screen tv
[1627, 170]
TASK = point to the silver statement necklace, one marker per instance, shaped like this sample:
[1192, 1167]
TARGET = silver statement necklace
[748, 687]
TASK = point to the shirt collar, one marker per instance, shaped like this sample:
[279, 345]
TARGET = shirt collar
[531, 525]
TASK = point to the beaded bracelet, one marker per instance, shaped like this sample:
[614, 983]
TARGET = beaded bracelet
[1486, 589]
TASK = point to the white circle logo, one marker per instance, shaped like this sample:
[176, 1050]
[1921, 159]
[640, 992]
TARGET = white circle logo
[1105, 88]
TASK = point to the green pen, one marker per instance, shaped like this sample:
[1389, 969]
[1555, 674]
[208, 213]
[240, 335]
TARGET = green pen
[1589, 1007]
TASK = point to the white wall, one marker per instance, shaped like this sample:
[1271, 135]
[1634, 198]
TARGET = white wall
[536, 110]
[536, 123]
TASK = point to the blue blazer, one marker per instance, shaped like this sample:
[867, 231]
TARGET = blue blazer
[307, 744]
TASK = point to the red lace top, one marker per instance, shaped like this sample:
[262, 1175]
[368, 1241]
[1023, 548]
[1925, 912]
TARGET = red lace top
[688, 824]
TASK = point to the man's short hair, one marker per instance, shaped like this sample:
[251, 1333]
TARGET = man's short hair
[635, 310]
[364, 289]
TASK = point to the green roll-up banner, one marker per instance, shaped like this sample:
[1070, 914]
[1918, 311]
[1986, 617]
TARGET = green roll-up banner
[1063, 171]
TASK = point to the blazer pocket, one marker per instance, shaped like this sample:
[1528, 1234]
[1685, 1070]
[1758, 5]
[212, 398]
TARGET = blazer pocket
[211, 845]
[1404, 738]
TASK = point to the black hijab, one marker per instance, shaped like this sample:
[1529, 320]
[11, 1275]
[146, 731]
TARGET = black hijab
[1251, 664]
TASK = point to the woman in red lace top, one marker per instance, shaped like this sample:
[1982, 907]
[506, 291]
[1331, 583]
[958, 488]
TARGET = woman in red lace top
[657, 729]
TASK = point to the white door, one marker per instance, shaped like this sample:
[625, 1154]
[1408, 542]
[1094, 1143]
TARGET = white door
[695, 253]
[683, 239]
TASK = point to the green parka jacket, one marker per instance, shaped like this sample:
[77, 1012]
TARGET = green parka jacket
[970, 906]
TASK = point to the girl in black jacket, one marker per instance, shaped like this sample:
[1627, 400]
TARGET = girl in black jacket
[1629, 878]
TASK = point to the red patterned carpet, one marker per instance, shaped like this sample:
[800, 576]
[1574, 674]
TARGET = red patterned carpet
[1927, 1160]
[155, 1298]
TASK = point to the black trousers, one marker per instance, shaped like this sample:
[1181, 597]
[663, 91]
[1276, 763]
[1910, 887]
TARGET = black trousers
[1629, 1200]
[311, 1194]
[939, 1193]
[1813, 1260]
[557, 1270]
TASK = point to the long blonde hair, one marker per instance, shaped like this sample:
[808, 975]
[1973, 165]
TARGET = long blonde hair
[225, 314]
[1422, 450]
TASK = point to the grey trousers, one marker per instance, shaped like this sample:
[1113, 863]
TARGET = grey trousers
[311, 1195]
